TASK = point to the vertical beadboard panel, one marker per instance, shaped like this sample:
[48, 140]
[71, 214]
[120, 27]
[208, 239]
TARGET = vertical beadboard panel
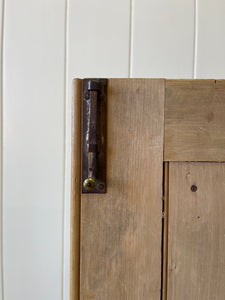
[1, 61]
[211, 39]
[98, 46]
[33, 149]
[98, 38]
[163, 38]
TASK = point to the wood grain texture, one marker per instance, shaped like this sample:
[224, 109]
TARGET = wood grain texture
[75, 191]
[194, 120]
[121, 230]
[196, 266]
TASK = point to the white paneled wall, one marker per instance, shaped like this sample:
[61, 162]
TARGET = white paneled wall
[46, 43]
[33, 148]
[211, 39]
[98, 38]
[1, 123]
[163, 38]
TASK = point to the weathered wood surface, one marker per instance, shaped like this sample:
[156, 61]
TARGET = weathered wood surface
[194, 120]
[75, 191]
[196, 241]
[121, 230]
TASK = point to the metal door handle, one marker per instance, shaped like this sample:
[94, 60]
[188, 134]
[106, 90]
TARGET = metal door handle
[94, 98]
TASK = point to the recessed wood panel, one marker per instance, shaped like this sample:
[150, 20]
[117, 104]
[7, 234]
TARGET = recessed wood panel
[196, 241]
[194, 120]
[121, 230]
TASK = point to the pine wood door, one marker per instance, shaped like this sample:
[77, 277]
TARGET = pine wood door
[158, 232]
[194, 235]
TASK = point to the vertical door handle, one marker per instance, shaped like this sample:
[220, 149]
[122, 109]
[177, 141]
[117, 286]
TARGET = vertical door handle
[94, 102]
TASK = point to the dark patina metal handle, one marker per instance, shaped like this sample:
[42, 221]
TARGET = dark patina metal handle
[94, 136]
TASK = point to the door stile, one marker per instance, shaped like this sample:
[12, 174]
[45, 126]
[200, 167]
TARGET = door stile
[75, 191]
[121, 231]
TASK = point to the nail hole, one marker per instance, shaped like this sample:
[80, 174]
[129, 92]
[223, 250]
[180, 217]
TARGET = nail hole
[194, 188]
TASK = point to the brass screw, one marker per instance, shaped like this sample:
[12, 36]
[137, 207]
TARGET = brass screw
[89, 184]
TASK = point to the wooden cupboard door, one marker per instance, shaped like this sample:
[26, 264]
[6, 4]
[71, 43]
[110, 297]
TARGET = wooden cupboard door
[120, 247]
[196, 231]
[121, 231]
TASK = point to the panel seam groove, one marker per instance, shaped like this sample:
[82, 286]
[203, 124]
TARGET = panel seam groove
[130, 64]
[65, 279]
[165, 231]
[195, 60]
[1, 163]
